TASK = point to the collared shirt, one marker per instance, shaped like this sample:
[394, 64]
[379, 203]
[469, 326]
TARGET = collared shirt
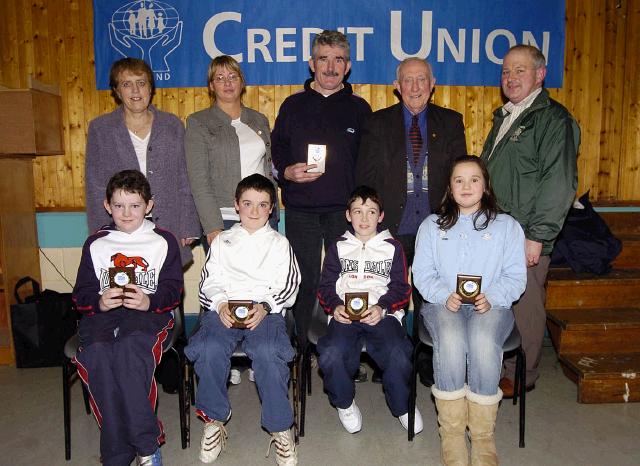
[417, 205]
[512, 112]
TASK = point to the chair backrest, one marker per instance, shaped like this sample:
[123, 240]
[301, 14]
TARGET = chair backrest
[178, 326]
[318, 327]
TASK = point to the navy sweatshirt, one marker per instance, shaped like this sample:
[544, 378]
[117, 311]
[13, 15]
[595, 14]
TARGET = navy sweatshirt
[310, 118]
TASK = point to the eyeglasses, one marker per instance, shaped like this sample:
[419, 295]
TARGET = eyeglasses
[232, 78]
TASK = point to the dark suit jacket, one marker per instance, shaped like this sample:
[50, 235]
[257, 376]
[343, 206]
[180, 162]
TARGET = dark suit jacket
[383, 154]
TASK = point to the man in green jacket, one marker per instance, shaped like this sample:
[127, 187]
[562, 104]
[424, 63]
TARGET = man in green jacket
[531, 156]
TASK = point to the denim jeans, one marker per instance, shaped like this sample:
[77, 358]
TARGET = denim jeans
[270, 351]
[467, 343]
[307, 233]
[388, 345]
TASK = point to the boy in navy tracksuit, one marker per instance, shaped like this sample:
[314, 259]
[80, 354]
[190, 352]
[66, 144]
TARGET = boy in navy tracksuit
[123, 329]
[371, 262]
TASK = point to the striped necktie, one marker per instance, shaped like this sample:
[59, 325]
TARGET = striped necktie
[416, 139]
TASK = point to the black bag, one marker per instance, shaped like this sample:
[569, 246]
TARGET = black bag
[41, 324]
[585, 242]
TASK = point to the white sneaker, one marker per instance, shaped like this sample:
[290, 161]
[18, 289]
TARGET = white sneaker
[417, 424]
[154, 459]
[234, 376]
[286, 454]
[252, 375]
[351, 418]
[214, 440]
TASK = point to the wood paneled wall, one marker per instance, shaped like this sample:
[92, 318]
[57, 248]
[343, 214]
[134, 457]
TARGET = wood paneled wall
[52, 41]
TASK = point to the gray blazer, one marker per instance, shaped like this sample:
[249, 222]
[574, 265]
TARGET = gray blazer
[110, 150]
[213, 160]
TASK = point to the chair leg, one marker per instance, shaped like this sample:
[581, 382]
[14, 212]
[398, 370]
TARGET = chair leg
[413, 392]
[192, 383]
[308, 378]
[305, 374]
[295, 369]
[66, 408]
[523, 394]
[516, 382]
[182, 402]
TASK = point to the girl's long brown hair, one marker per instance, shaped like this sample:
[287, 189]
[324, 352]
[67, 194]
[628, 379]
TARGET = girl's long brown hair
[449, 212]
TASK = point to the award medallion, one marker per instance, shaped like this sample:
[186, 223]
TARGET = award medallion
[468, 287]
[240, 312]
[356, 304]
[120, 277]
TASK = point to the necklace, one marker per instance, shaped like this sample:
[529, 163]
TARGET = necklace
[140, 128]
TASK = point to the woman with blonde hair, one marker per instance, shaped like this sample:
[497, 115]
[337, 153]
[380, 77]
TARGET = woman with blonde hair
[225, 143]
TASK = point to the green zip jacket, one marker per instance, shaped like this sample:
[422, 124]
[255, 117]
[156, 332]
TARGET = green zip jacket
[533, 168]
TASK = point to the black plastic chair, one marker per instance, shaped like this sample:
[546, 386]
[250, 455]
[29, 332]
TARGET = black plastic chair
[192, 379]
[511, 345]
[70, 374]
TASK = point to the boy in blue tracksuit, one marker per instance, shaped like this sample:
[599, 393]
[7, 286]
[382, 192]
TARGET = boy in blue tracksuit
[371, 262]
[123, 329]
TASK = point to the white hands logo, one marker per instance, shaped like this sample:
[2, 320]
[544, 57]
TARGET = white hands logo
[148, 30]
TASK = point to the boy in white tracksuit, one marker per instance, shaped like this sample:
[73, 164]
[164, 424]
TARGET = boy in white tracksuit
[372, 262]
[248, 262]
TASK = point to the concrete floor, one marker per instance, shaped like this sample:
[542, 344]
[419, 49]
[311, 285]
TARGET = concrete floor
[559, 430]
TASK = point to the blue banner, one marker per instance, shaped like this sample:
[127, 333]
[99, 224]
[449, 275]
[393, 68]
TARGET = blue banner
[464, 40]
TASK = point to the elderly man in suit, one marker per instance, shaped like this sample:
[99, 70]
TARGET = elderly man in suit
[406, 151]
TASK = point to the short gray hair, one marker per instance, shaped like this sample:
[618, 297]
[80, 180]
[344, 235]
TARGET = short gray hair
[412, 59]
[332, 39]
[536, 55]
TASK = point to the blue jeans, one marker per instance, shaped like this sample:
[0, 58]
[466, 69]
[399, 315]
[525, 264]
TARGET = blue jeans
[467, 343]
[307, 233]
[388, 345]
[269, 349]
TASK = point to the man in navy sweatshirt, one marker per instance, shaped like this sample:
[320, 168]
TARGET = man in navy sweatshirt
[315, 144]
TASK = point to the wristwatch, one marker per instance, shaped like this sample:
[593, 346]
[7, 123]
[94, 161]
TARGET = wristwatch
[266, 306]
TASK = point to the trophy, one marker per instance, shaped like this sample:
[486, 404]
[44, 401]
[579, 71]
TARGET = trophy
[240, 312]
[316, 154]
[120, 277]
[468, 287]
[356, 304]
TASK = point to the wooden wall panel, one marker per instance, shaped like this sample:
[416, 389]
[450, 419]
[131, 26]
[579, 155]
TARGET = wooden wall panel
[629, 184]
[52, 41]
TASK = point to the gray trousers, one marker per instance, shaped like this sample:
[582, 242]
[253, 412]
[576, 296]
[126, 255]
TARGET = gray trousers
[531, 320]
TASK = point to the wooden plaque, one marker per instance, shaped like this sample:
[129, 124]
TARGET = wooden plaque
[356, 304]
[468, 287]
[240, 310]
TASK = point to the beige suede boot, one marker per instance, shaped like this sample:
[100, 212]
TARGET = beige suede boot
[482, 423]
[452, 417]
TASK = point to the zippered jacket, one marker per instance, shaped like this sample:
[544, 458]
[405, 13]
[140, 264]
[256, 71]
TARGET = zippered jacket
[378, 267]
[533, 168]
[154, 255]
[259, 267]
